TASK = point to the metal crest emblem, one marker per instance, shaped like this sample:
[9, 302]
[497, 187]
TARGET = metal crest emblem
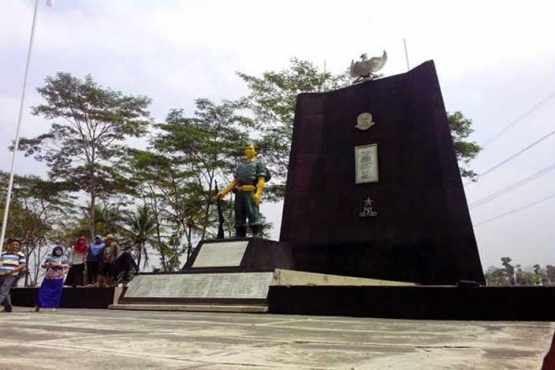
[364, 121]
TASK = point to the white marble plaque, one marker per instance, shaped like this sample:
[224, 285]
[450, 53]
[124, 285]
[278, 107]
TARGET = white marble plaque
[366, 163]
[221, 254]
[245, 285]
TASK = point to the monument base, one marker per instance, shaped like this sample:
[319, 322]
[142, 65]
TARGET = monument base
[232, 275]
[192, 307]
[225, 292]
[222, 274]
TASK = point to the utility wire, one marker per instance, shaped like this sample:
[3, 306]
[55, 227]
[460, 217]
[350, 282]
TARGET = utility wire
[511, 187]
[513, 156]
[514, 211]
[525, 115]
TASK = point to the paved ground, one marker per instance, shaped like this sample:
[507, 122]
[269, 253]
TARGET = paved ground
[102, 339]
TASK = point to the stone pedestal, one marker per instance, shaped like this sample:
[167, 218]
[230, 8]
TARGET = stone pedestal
[220, 272]
[239, 255]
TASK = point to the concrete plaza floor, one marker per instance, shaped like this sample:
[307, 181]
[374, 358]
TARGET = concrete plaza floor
[103, 339]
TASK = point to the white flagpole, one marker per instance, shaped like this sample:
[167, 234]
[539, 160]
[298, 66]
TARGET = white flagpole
[16, 141]
[406, 54]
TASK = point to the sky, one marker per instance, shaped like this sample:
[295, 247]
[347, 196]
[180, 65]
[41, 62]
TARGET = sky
[495, 62]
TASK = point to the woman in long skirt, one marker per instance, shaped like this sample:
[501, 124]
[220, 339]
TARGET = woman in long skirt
[50, 292]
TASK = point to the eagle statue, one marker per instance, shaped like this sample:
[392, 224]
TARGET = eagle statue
[365, 68]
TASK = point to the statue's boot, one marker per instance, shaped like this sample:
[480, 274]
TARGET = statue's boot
[256, 231]
[240, 231]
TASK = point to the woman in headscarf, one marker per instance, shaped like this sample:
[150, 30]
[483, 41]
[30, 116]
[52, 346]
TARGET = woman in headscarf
[77, 259]
[50, 292]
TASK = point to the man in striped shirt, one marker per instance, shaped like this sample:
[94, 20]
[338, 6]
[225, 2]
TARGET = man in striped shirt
[12, 262]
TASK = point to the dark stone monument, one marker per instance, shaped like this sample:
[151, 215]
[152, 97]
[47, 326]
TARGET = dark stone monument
[396, 210]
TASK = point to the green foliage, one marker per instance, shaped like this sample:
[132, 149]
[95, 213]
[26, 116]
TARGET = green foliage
[496, 276]
[138, 229]
[526, 277]
[465, 150]
[91, 125]
[176, 176]
[550, 274]
[509, 275]
[37, 208]
[509, 270]
[272, 100]
[108, 215]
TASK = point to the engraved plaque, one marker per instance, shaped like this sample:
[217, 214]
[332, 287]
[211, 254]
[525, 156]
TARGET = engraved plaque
[366, 163]
[247, 285]
[224, 254]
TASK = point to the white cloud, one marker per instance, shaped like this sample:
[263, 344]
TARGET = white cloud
[176, 51]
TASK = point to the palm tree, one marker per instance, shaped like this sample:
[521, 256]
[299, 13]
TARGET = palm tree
[138, 229]
[107, 219]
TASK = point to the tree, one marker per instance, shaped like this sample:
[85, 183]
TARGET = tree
[138, 231]
[496, 276]
[88, 136]
[192, 153]
[204, 147]
[465, 150]
[176, 175]
[36, 210]
[540, 275]
[149, 172]
[509, 270]
[550, 272]
[108, 216]
[272, 100]
[526, 277]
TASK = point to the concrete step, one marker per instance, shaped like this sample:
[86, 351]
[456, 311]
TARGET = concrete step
[191, 307]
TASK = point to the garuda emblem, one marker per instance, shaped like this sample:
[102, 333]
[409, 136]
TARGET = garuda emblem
[365, 68]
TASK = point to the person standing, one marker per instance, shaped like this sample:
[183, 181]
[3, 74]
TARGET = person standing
[127, 267]
[12, 263]
[93, 260]
[108, 268]
[50, 292]
[77, 258]
[249, 180]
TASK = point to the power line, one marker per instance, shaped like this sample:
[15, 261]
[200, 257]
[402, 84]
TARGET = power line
[513, 156]
[521, 118]
[514, 211]
[511, 187]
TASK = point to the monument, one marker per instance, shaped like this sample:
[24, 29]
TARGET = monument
[373, 198]
[373, 188]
